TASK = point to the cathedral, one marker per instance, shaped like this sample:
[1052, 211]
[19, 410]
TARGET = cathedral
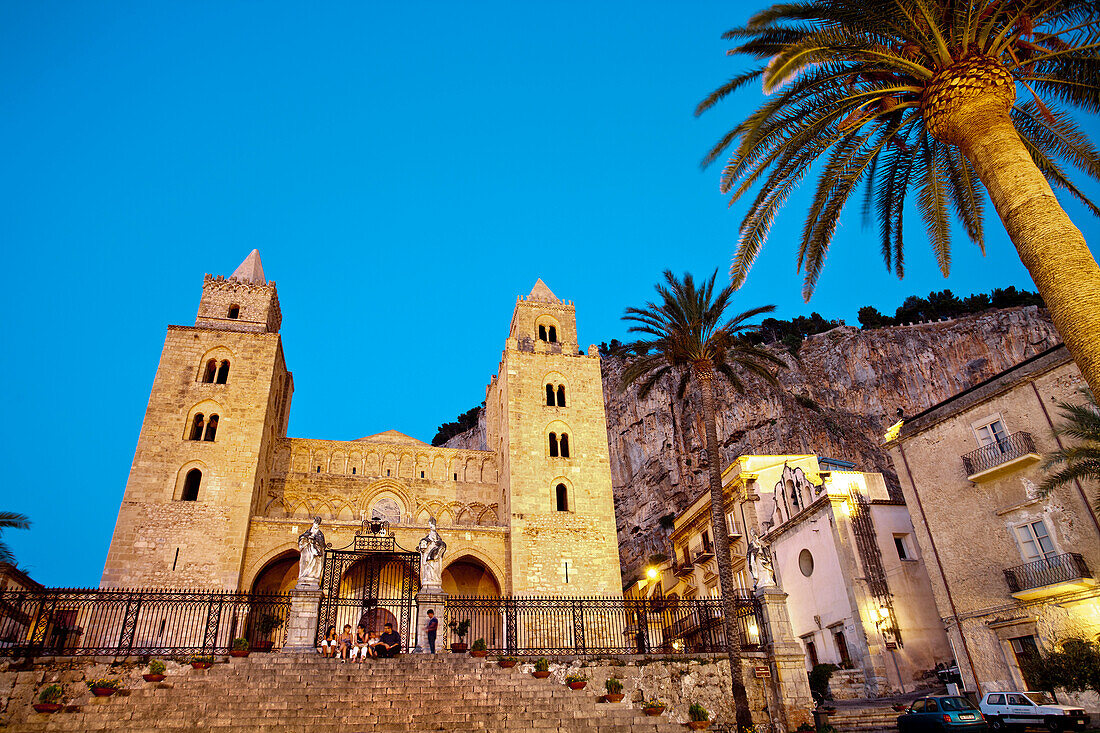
[218, 494]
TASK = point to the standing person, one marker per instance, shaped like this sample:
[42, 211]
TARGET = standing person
[432, 628]
[389, 644]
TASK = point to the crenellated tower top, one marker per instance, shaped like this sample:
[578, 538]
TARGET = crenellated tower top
[244, 301]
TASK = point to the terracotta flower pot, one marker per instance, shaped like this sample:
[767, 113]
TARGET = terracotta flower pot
[47, 707]
[479, 653]
[653, 711]
[152, 677]
[238, 652]
[541, 674]
[698, 724]
[577, 685]
[507, 663]
[103, 691]
[201, 665]
[614, 697]
[459, 648]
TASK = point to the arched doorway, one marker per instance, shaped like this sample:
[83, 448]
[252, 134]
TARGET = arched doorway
[468, 576]
[279, 575]
[473, 590]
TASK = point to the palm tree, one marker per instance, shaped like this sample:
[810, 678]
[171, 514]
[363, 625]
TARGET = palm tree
[1082, 459]
[901, 94]
[10, 520]
[687, 336]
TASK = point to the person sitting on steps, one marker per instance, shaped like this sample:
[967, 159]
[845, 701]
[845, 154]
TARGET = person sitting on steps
[344, 642]
[389, 644]
[328, 644]
[362, 644]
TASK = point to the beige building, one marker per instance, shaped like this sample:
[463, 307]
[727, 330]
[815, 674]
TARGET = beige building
[1012, 571]
[858, 593]
[218, 494]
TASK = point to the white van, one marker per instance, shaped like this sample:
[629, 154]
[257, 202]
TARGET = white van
[1031, 709]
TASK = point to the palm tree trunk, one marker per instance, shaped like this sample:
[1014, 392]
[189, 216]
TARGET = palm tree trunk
[705, 376]
[1052, 249]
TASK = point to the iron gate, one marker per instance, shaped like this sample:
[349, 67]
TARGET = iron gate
[372, 581]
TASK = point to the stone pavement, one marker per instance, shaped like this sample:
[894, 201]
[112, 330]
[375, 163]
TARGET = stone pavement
[419, 692]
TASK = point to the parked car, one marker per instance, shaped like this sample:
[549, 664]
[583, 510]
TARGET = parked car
[942, 713]
[1006, 710]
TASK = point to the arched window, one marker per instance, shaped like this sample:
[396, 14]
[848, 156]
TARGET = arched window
[561, 495]
[196, 427]
[223, 372]
[234, 311]
[552, 334]
[553, 445]
[191, 485]
[550, 395]
[209, 372]
[542, 333]
[211, 429]
[561, 395]
[564, 445]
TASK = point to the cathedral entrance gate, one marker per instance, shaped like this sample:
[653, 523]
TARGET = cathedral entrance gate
[372, 581]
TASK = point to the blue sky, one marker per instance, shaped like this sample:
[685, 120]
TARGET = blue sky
[405, 169]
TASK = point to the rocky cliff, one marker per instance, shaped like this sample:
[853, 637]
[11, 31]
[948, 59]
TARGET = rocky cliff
[838, 395]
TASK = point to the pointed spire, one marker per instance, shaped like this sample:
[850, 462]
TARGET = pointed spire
[541, 292]
[251, 270]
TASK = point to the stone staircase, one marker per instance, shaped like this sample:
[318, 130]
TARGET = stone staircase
[418, 692]
[867, 718]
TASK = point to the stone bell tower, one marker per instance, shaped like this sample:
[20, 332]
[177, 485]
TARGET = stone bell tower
[220, 399]
[546, 422]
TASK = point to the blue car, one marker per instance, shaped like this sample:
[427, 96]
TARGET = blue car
[938, 713]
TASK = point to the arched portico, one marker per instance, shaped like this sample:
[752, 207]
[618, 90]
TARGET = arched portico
[278, 575]
[468, 575]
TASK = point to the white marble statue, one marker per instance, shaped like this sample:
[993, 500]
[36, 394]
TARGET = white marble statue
[760, 562]
[311, 548]
[431, 548]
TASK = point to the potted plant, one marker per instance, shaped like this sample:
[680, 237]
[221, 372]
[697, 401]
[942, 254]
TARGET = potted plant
[699, 717]
[542, 668]
[156, 671]
[460, 629]
[653, 706]
[805, 727]
[576, 681]
[507, 662]
[265, 624]
[614, 687]
[202, 661]
[49, 699]
[103, 687]
[479, 649]
[240, 647]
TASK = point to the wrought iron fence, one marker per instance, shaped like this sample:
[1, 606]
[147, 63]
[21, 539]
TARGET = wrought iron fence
[77, 622]
[1048, 571]
[996, 453]
[532, 626]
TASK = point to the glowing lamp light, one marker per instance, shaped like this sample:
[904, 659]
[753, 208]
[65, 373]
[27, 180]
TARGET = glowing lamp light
[883, 612]
[678, 645]
[651, 573]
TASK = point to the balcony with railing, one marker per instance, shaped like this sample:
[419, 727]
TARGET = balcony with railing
[1013, 451]
[1050, 576]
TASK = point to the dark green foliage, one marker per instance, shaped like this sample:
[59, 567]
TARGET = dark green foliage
[1080, 457]
[1075, 668]
[667, 522]
[819, 680]
[791, 333]
[869, 317]
[465, 421]
[11, 520]
[611, 349]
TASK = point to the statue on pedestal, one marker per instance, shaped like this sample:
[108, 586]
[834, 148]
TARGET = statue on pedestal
[431, 549]
[311, 548]
[759, 557]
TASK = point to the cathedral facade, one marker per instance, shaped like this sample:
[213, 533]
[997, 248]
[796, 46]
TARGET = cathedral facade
[218, 493]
